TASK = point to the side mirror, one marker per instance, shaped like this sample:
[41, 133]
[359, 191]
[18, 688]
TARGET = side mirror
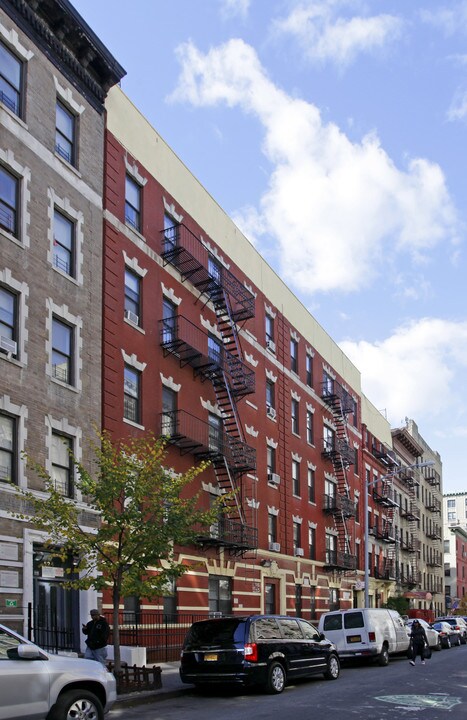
[29, 652]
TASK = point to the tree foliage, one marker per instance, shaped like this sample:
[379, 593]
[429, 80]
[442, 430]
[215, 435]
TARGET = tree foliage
[143, 509]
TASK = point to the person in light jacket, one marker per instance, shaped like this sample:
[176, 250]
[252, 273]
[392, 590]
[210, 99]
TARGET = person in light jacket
[418, 642]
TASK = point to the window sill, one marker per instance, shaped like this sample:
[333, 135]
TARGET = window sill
[62, 384]
[133, 424]
[14, 116]
[12, 360]
[4, 233]
[65, 275]
[67, 164]
[135, 327]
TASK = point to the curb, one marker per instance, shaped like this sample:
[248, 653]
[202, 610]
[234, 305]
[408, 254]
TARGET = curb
[147, 697]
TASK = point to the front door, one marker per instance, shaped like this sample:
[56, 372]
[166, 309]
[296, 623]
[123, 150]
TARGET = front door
[271, 597]
[56, 611]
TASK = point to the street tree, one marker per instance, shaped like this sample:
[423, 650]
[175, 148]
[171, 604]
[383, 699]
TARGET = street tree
[144, 511]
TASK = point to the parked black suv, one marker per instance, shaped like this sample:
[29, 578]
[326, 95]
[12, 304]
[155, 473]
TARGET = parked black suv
[262, 650]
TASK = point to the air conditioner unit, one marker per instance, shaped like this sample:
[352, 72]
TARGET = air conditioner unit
[299, 552]
[271, 345]
[271, 412]
[132, 317]
[275, 547]
[274, 478]
[7, 345]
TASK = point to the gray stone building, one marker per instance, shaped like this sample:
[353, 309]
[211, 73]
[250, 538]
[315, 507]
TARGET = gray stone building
[54, 77]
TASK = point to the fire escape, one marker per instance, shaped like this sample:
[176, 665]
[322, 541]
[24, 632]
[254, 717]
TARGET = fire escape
[218, 359]
[433, 529]
[336, 448]
[410, 511]
[385, 496]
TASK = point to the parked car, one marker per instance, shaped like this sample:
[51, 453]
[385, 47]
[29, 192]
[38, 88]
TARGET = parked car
[366, 632]
[448, 634]
[265, 650]
[35, 685]
[458, 623]
[433, 637]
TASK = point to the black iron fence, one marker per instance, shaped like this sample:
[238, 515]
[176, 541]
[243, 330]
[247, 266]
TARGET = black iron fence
[46, 629]
[162, 634]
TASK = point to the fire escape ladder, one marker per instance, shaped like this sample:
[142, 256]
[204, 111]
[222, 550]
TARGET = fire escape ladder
[227, 484]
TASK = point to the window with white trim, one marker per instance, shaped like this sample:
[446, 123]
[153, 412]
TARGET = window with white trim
[133, 193]
[62, 463]
[11, 80]
[62, 351]
[7, 448]
[65, 133]
[132, 297]
[9, 202]
[64, 252]
[132, 394]
[8, 321]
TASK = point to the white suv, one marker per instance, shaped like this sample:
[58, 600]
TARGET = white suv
[37, 685]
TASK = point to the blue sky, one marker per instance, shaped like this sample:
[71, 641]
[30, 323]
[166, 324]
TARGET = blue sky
[334, 133]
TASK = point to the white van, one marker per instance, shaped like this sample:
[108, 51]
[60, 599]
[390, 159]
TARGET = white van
[366, 632]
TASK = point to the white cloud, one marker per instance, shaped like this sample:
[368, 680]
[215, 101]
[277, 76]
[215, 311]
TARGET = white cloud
[417, 371]
[450, 18]
[337, 211]
[325, 35]
[232, 8]
[458, 108]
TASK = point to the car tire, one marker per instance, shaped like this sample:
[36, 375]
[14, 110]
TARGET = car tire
[333, 668]
[463, 639]
[459, 642]
[80, 702]
[383, 658]
[448, 643]
[439, 645]
[276, 678]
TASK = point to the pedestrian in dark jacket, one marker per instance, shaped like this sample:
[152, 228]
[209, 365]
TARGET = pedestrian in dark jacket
[418, 641]
[97, 631]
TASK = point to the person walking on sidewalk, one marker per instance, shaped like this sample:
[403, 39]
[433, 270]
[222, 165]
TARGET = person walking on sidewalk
[97, 631]
[418, 642]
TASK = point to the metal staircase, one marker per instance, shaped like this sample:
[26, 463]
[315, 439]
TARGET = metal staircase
[341, 404]
[233, 304]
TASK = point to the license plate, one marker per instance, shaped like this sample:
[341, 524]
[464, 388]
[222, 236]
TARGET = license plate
[354, 638]
[211, 657]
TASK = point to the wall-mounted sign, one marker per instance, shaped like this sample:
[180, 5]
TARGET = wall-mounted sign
[11, 603]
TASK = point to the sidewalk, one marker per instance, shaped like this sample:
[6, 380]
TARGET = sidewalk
[172, 686]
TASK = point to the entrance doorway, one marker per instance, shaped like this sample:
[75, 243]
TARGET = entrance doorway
[55, 614]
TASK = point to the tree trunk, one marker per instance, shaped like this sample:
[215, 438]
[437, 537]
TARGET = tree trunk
[116, 629]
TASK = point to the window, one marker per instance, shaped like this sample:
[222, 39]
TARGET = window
[270, 601]
[294, 416]
[132, 297]
[297, 536]
[270, 400]
[215, 350]
[294, 356]
[9, 202]
[62, 351]
[355, 461]
[312, 543]
[313, 601]
[62, 464]
[169, 411]
[331, 549]
[65, 128]
[171, 232]
[220, 594]
[311, 485]
[296, 478]
[328, 439]
[298, 603]
[333, 599]
[451, 503]
[169, 321]
[269, 330]
[170, 602]
[271, 459]
[215, 269]
[272, 528]
[132, 203]
[309, 428]
[8, 318]
[131, 395]
[309, 370]
[451, 515]
[64, 244]
[11, 73]
[216, 443]
[328, 384]
[7, 448]
[329, 494]
[131, 609]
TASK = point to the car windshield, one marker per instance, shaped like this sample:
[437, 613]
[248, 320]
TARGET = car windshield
[213, 631]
